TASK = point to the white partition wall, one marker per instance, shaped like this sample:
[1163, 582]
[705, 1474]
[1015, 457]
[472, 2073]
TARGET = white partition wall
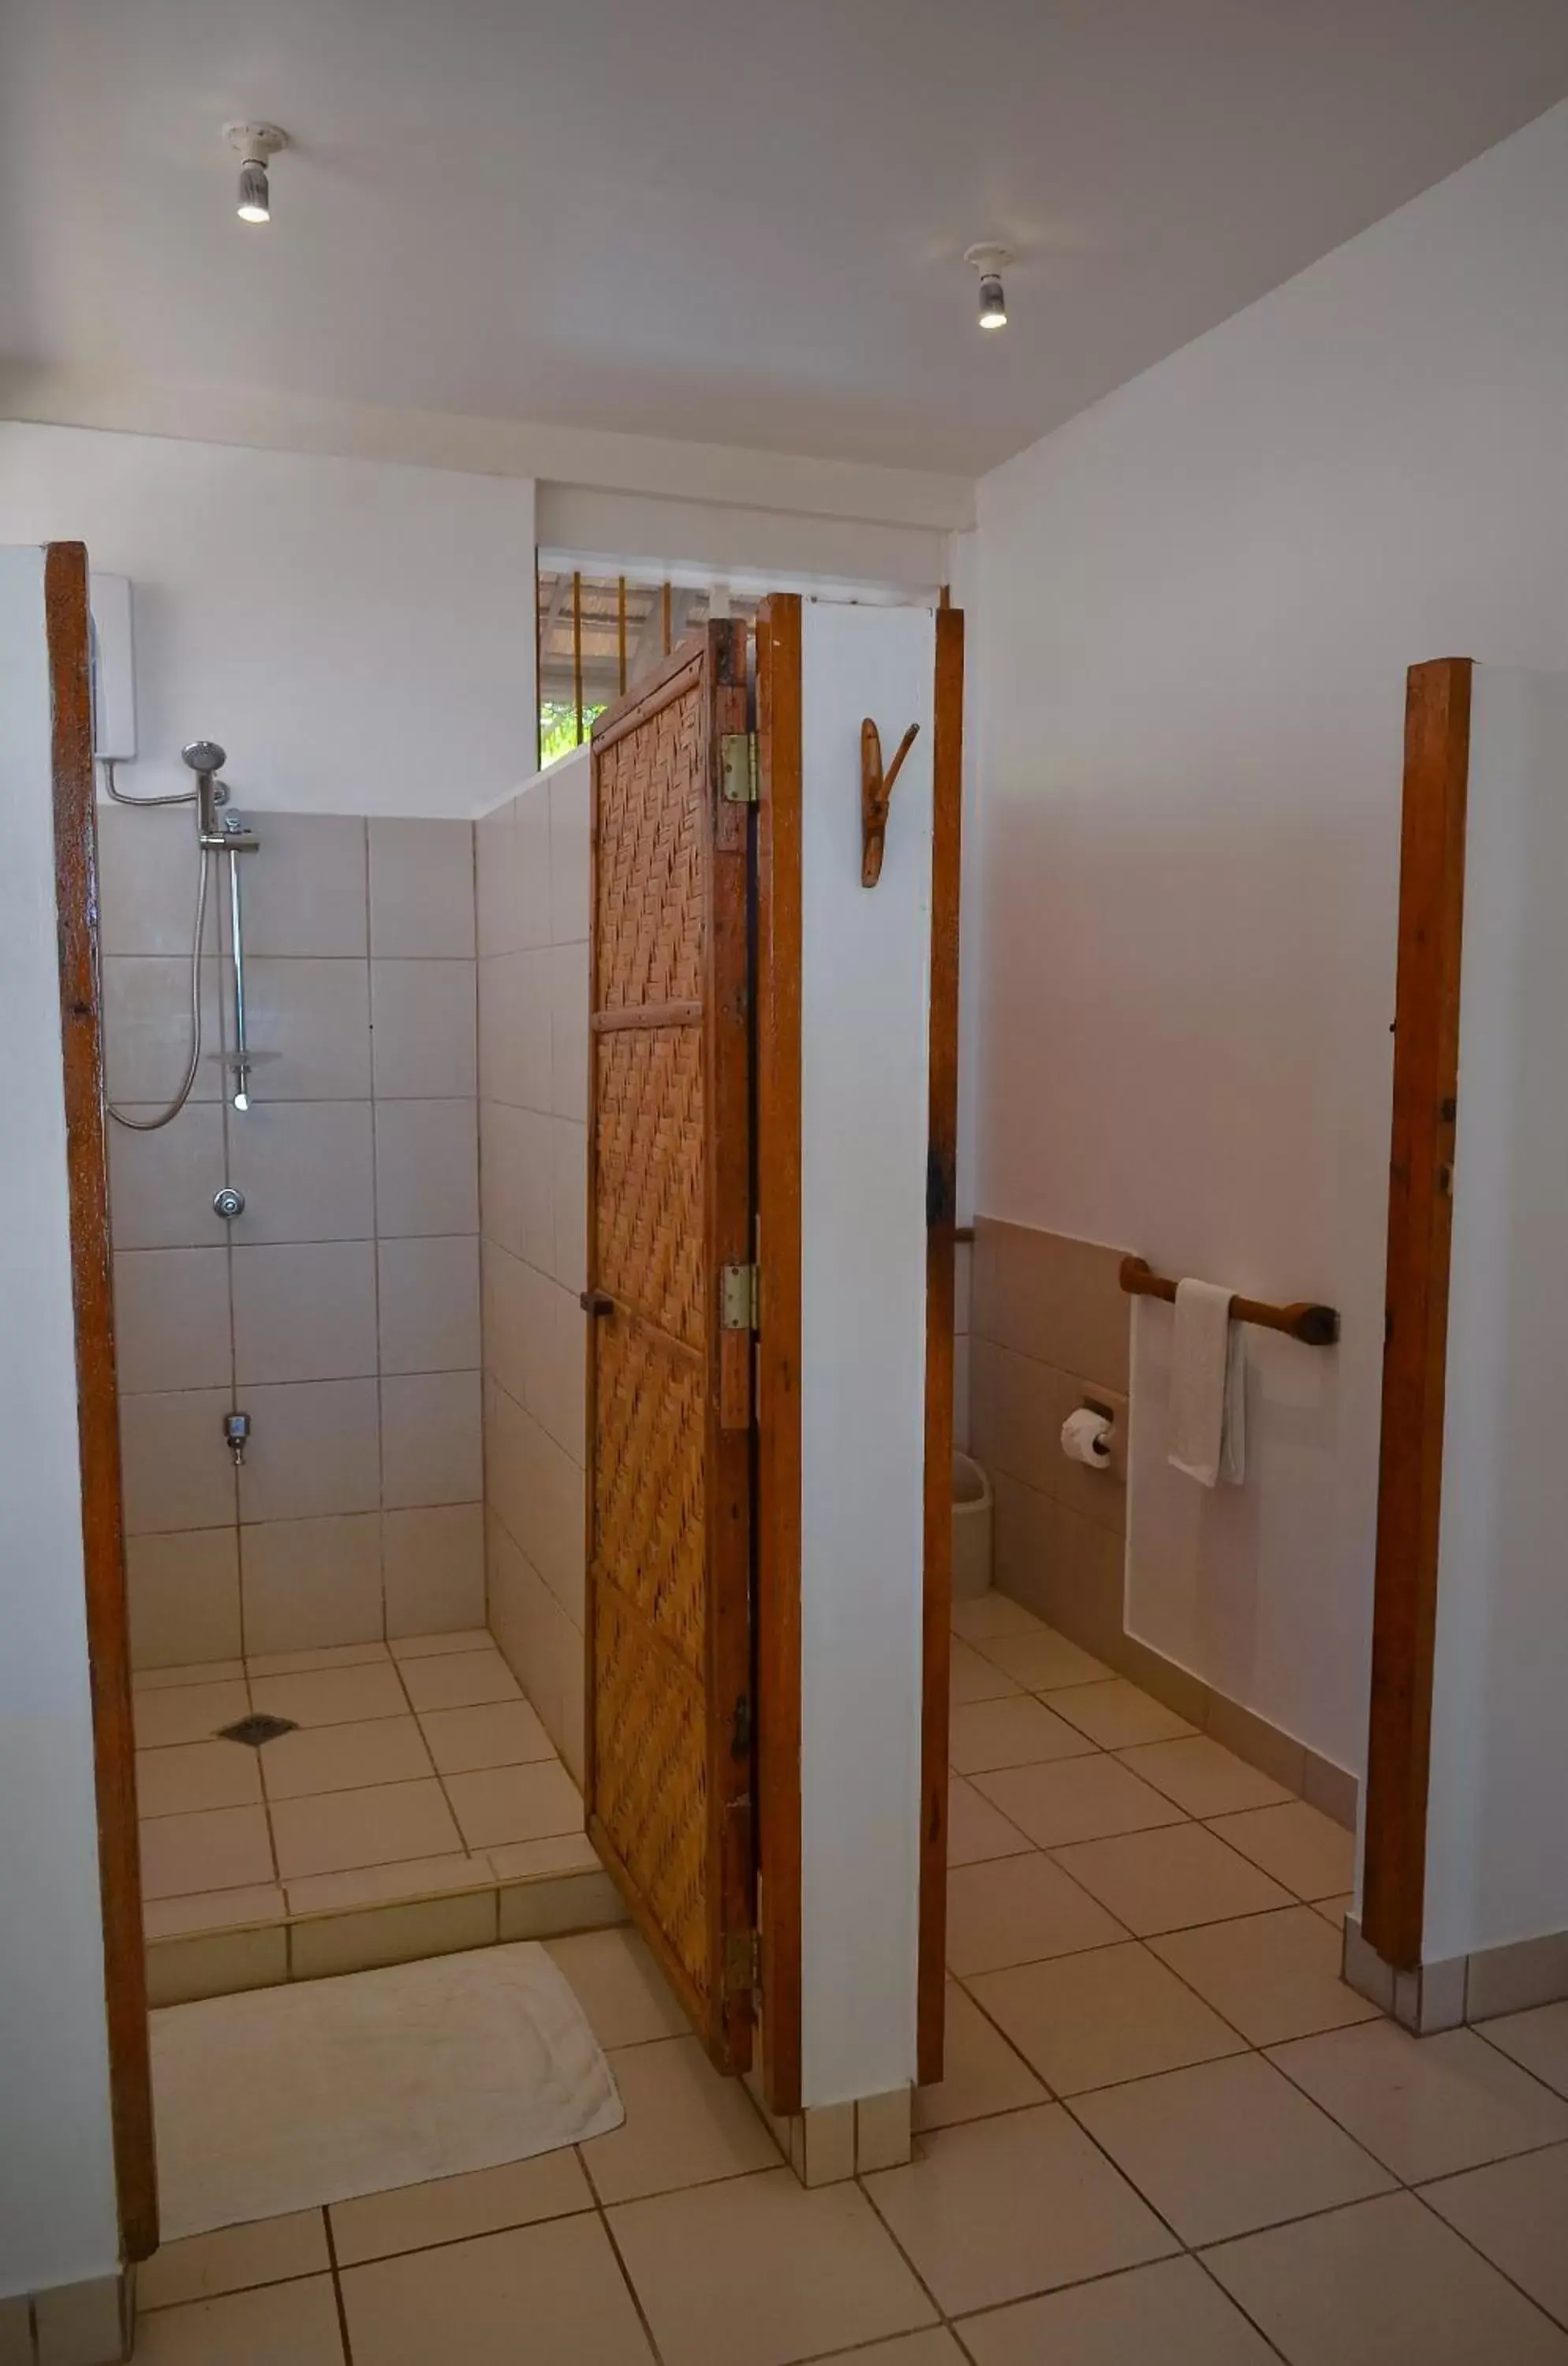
[1497, 1829]
[865, 1101]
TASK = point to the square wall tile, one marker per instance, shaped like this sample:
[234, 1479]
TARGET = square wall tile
[429, 1304]
[571, 1185]
[495, 894]
[307, 1171]
[184, 1596]
[147, 881]
[1056, 1299]
[514, 1029]
[305, 1312]
[174, 1462]
[314, 1449]
[309, 1583]
[434, 1570]
[161, 1184]
[171, 1310]
[424, 1029]
[516, 1185]
[539, 1641]
[426, 1167]
[532, 809]
[568, 793]
[146, 1022]
[569, 1031]
[422, 889]
[304, 888]
[308, 1025]
[431, 1436]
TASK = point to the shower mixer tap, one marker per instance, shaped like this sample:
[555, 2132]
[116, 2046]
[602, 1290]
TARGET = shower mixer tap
[237, 1430]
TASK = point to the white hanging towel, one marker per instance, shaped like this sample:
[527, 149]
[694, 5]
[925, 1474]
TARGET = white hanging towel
[1208, 1386]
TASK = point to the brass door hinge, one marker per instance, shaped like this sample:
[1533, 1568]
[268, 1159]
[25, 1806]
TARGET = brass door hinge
[742, 1961]
[737, 767]
[738, 1298]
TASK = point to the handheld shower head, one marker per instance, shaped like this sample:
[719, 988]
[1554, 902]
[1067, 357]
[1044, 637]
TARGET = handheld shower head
[205, 756]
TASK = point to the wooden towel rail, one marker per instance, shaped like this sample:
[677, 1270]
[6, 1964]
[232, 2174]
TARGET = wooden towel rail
[1317, 1327]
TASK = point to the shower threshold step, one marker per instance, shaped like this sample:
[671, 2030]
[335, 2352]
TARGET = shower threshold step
[264, 1785]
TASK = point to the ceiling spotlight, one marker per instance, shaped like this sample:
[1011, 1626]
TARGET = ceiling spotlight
[990, 262]
[256, 142]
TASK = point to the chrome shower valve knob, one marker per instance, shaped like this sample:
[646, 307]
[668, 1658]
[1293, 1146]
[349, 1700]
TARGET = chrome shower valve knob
[228, 1203]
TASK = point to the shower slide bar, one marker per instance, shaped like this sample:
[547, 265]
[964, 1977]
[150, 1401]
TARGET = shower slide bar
[231, 838]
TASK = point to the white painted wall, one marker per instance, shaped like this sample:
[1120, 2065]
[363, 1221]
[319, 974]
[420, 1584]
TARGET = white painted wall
[57, 2201]
[358, 635]
[1496, 1835]
[1200, 600]
[866, 992]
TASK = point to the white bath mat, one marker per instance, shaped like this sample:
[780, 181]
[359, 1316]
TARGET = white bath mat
[286, 2098]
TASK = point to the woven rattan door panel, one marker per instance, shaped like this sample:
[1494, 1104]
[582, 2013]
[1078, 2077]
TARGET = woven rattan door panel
[669, 1748]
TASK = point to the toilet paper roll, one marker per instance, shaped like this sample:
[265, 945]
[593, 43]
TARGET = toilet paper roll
[1086, 1438]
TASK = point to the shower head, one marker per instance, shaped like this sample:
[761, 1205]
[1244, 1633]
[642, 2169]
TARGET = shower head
[205, 756]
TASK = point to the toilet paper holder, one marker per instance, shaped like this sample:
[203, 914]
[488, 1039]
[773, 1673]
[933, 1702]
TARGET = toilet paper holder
[1102, 1449]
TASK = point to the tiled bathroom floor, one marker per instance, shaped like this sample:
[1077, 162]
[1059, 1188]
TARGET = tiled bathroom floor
[1167, 2134]
[418, 1779]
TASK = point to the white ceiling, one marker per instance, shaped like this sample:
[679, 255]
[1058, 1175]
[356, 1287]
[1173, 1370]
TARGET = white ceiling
[716, 222]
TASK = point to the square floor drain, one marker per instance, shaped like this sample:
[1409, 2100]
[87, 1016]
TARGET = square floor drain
[255, 1730]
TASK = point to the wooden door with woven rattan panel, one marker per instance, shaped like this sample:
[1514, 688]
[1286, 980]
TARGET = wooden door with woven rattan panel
[669, 1730]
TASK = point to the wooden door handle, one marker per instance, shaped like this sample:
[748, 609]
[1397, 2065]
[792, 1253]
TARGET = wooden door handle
[876, 795]
[596, 1302]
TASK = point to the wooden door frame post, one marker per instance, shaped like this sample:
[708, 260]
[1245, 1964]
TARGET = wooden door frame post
[92, 1279]
[1420, 1223]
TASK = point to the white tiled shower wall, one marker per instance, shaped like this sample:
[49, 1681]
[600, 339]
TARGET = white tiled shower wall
[341, 1310]
[532, 878]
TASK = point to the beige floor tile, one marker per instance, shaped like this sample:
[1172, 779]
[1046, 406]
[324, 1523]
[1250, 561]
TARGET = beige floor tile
[971, 1678]
[993, 1614]
[534, 1860]
[499, 1805]
[1274, 1975]
[685, 2125]
[1298, 1844]
[983, 2072]
[1077, 1800]
[226, 1848]
[1044, 1662]
[1334, 1910]
[619, 1986]
[429, 1647]
[1385, 2284]
[1167, 2314]
[459, 1679]
[1117, 1716]
[1425, 2106]
[1516, 2212]
[203, 1672]
[1537, 2039]
[332, 1696]
[191, 1775]
[1228, 2146]
[380, 1885]
[1204, 1778]
[1166, 1880]
[1004, 2207]
[185, 1713]
[455, 2209]
[335, 1830]
[268, 2251]
[293, 2322]
[344, 1757]
[550, 2292]
[213, 1909]
[759, 2270]
[1021, 1731]
[1018, 1911]
[496, 1733]
[303, 1663]
[1089, 2020]
[936, 2347]
[978, 1831]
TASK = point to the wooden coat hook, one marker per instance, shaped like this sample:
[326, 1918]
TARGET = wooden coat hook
[876, 795]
